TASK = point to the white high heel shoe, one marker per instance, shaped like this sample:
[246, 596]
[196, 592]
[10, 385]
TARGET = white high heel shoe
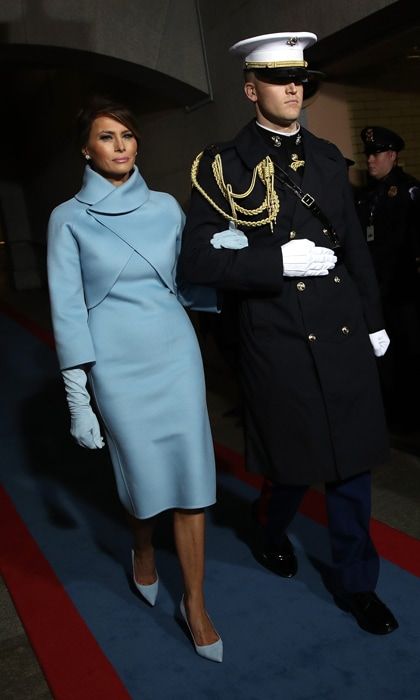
[149, 592]
[213, 652]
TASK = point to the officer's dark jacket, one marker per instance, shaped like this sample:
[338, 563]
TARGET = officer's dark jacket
[309, 377]
[392, 207]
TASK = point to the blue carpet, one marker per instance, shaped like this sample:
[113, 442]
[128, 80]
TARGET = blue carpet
[282, 639]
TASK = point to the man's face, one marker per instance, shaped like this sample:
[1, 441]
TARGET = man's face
[277, 105]
[380, 164]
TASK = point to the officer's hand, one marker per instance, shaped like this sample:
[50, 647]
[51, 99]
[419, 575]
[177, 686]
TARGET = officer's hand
[380, 342]
[303, 258]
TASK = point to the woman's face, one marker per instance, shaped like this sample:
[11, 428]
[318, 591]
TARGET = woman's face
[112, 148]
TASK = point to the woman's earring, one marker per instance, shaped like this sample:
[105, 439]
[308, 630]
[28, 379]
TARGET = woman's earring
[87, 156]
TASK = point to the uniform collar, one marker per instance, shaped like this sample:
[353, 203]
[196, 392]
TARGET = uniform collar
[103, 197]
[252, 146]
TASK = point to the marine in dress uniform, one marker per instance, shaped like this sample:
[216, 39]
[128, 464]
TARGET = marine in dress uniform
[272, 220]
[389, 211]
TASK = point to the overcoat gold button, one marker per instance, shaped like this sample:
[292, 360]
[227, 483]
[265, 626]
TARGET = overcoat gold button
[292, 234]
[337, 279]
[311, 337]
[301, 286]
[345, 330]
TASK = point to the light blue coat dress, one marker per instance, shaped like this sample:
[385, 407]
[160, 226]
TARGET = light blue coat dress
[112, 254]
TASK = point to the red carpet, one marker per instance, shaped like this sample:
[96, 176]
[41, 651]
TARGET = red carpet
[73, 663]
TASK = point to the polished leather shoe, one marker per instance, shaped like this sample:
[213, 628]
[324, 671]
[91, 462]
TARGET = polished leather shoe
[371, 614]
[281, 559]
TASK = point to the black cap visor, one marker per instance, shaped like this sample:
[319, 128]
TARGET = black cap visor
[283, 76]
[374, 148]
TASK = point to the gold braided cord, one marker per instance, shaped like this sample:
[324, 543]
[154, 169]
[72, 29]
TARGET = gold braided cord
[276, 64]
[271, 203]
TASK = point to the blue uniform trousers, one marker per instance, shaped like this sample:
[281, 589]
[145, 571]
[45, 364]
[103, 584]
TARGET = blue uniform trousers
[354, 557]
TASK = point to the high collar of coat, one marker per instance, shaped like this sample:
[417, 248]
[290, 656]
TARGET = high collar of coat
[103, 197]
[252, 147]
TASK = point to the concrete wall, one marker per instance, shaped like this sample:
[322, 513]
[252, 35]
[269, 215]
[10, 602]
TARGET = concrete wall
[163, 35]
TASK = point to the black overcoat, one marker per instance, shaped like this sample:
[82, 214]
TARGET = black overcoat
[312, 398]
[392, 206]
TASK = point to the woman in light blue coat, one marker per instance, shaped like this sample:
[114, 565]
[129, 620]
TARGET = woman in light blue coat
[119, 326]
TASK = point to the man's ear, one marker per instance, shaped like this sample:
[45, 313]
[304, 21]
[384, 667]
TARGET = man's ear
[250, 91]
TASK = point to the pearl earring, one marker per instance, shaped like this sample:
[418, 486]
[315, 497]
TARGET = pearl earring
[87, 156]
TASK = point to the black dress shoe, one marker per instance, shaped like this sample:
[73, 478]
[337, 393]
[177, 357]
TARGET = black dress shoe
[281, 560]
[371, 614]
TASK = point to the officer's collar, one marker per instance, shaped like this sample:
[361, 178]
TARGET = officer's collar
[252, 146]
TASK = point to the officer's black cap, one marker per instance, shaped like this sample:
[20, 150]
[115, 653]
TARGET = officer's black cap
[378, 139]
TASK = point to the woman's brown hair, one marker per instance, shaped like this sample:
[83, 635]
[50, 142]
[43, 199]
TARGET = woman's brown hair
[103, 107]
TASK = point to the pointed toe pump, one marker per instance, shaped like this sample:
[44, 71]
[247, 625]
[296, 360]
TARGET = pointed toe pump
[149, 592]
[213, 652]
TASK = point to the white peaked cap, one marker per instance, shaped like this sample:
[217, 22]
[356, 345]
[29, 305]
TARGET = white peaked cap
[274, 50]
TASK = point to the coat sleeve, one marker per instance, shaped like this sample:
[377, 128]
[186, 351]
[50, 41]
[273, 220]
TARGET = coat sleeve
[359, 263]
[68, 308]
[193, 296]
[254, 268]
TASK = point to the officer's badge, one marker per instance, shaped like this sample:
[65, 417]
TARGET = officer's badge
[296, 163]
[369, 135]
[393, 191]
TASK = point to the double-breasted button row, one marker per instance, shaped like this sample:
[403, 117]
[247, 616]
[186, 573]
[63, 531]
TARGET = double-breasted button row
[344, 329]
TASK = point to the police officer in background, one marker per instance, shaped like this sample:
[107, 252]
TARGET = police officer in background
[272, 220]
[389, 211]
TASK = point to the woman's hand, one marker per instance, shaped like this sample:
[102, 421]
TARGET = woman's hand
[84, 424]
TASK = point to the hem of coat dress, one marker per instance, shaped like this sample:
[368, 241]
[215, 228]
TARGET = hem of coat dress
[171, 507]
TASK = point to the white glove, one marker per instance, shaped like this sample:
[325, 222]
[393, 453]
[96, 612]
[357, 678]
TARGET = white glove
[231, 238]
[380, 342]
[84, 424]
[303, 258]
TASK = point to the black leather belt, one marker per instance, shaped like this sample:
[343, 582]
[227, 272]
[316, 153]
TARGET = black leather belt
[309, 202]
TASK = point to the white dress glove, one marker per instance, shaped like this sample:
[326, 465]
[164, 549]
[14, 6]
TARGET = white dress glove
[84, 424]
[303, 258]
[231, 238]
[380, 342]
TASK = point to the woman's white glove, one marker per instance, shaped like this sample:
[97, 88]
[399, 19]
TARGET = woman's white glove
[231, 238]
[380, 342]
[303, 258]
[84, 424]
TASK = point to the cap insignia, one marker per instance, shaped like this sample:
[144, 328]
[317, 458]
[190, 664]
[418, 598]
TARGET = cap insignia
[292, 41]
